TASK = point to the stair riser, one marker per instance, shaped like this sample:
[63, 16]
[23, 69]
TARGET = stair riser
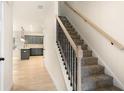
[87, 54]
[72, 33]
[104, 83]
[70, 29]
[76, 38]
[89, 63]
[68, 26]
[93, 61]
[64, 20]
[78, 42]
[84, 47]
[91, 85]
[67, 23]
[88, 72]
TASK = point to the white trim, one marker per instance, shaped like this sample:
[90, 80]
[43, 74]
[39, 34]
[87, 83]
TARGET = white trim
[0, 37]
[2, 34]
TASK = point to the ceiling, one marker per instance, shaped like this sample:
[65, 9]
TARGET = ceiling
[30, 14]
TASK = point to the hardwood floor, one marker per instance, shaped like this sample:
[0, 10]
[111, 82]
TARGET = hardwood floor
[31, 75]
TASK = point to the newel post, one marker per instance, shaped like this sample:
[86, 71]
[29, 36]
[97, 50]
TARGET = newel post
[79, 59]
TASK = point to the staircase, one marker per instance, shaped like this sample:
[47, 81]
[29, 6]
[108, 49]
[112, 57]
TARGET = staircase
[93, 77]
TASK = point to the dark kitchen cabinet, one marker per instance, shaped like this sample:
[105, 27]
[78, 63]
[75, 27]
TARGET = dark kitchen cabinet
[25, 54]
[36, 51]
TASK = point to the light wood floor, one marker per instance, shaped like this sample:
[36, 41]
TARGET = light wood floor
[31, 75]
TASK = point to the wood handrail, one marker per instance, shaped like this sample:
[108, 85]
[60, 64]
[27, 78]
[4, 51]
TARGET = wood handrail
[67, 35]
[96, 27]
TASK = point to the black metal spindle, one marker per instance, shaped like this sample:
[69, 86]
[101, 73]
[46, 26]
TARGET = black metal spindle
[65, 51]
[73, 71]
[70, 66]
[69, 61]
[76, 74]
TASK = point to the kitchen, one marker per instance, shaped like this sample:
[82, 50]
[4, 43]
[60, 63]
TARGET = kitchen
[26, 45]
[33, 46]
[28, 29]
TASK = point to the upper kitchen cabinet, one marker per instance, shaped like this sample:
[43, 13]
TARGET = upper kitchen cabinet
[30, 39]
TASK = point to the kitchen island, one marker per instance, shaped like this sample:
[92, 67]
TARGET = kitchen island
[31, 50]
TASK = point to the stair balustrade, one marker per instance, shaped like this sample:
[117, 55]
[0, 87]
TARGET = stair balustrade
[71, 55]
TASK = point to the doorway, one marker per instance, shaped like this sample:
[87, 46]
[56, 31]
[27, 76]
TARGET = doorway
[29, 72]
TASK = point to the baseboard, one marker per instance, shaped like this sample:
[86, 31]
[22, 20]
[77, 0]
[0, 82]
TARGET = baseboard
[50, 74]
[11, 89]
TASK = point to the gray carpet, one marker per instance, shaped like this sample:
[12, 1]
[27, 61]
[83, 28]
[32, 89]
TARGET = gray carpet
[93, 76]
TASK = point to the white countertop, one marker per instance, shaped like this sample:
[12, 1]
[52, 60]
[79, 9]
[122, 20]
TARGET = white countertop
[28, 46]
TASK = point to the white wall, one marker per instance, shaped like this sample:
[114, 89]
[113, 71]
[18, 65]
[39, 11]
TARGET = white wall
[0, 39]
[51, 60]
[6, 46]
[28, 15]
[110, 17]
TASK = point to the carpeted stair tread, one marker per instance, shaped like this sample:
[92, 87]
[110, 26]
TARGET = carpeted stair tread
[89, 60]
[91, 70]
[96, 81]
[65, 21]
[63, 18]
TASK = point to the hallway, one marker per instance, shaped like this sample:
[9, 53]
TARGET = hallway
[31, 75]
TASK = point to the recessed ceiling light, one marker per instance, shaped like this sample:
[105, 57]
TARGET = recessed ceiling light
[40, 7]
